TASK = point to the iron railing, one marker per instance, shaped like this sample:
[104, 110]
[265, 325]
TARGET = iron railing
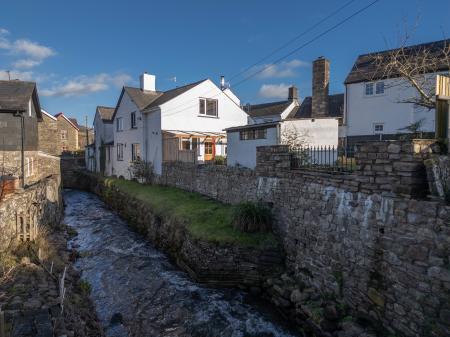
[323, 158]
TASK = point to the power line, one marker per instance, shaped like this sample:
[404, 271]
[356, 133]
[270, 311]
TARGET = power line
[340, 23]
[284, 45]
[293, 39]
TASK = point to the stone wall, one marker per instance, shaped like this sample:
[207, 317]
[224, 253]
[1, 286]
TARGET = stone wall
[70, 168]
[49, 136]
[366, 237]
[216, 264]
[35, 206]
[37, 165]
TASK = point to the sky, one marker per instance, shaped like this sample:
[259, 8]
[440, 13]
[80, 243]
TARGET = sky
[82, 52]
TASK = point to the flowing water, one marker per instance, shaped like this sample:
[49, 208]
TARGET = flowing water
[137, 291]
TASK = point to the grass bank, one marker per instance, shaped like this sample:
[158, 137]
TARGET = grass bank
[205, 219]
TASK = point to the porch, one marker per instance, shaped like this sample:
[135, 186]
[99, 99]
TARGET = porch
[193, 146]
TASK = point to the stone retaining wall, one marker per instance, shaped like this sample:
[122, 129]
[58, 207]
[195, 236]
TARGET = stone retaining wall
[38, 205]
[363, 237]
[207, 262]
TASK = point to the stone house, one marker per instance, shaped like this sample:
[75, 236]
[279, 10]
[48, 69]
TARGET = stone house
[48, 134]
[67, 135]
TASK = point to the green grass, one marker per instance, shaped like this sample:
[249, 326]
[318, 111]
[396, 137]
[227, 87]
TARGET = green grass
[205, 219]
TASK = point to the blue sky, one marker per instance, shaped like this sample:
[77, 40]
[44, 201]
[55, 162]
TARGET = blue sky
[81, 52]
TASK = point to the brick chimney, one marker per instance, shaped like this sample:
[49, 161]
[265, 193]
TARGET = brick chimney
[320, 86]
[293, 93]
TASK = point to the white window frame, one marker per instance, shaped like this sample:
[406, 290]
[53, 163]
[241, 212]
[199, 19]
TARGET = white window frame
[203, 110]
[377, 132]
[374, 91]
[63, 134]
[119, 124]
[120, 152]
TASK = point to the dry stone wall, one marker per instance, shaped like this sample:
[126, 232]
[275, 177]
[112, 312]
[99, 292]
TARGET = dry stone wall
[368, 238]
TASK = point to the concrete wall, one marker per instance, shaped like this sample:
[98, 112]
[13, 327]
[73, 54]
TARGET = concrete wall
[362, 111]
[368, 242]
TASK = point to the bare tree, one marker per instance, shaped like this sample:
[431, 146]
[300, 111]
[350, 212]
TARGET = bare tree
[410, 67]
[292, 136]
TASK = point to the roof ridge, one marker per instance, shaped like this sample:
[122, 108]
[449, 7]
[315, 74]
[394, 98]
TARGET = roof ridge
[405, 47]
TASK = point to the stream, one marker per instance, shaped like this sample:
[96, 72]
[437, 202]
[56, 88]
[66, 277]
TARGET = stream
[138, 291]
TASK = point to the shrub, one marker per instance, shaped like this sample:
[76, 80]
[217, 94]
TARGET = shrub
[252, 217]
[142, 171]
[220, 160]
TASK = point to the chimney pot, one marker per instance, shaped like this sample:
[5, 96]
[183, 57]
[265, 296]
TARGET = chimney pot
[222, 82]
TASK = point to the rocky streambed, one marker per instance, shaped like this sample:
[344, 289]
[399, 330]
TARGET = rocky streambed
[137, 291]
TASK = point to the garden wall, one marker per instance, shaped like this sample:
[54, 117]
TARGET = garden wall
[368, 237]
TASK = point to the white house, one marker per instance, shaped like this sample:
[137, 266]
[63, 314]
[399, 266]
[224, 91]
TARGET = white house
[182, 124]
[103, 140]
[374, 107]
[313, 123]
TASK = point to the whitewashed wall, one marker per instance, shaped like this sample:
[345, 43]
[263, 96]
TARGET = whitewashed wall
[182, 112]
[127, 137]
[362, 111]
[315, 131]
[243, 152]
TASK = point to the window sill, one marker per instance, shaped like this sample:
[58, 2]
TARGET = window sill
[206, 116]
[374, 95]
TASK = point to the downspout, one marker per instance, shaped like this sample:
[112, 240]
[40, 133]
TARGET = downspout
[22, 155]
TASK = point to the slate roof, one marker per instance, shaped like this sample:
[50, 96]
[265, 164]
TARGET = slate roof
[252, 126]
[171, 94]
[74, 122]
[61, 114]
[15, 95]
[145, 100]
[266, 109]
[364, 68]
[335, 106]
[105, 112]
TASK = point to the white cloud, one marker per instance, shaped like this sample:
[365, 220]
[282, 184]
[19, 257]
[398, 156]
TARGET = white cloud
[34, 52]
[16, 75]
[26, 63]
[274, 90]
[280, 70]
[32, 49]
[83, 85]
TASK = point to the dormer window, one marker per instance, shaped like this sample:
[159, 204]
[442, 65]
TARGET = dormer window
[133, 120]
[208, 107]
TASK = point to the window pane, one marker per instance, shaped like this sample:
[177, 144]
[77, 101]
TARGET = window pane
[202, 106]
[185, 144]
[208, 147]
[380, 88]
[211, 107]
[369, 89]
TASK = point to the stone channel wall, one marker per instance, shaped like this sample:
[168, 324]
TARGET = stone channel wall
[369, 238]
[25, 211]
[207, 262]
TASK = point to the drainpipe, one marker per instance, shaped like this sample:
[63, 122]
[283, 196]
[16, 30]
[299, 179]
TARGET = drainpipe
[19, 113]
